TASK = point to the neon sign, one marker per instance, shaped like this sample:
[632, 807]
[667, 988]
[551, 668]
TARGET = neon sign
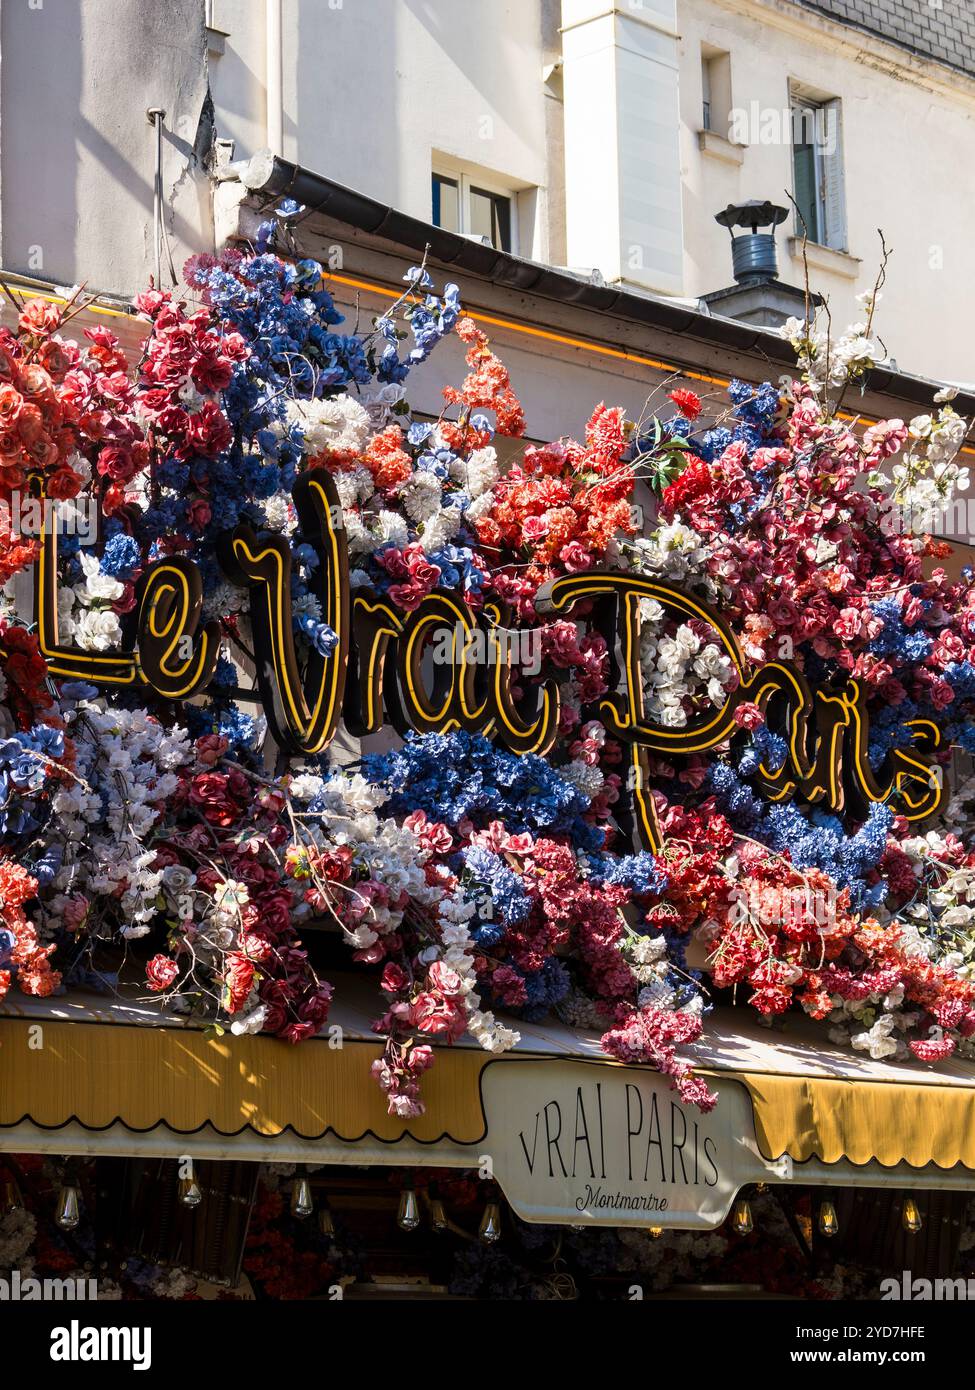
[377, 673]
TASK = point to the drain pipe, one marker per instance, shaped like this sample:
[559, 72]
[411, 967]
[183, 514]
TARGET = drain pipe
[155, 116]
[272, 81]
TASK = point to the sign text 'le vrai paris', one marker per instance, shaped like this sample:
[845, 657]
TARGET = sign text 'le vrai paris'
[377, 673]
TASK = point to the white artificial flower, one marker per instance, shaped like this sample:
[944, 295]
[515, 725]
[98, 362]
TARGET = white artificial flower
[477, 474]
[279, 511]
[379, 402]
[391, 529]
[222, 599]
[177, 879]
[98, 630]
[440, 528]
[480, 507]
[251, 1022]
[421, 496]
[589, 780]
[340, 424]
[98, 585]
[305, 786]
[877, 1041]
[354, 485]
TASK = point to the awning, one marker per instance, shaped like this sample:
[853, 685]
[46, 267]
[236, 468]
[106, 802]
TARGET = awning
[815, 1100]
[568, 1129]
[98, 1064]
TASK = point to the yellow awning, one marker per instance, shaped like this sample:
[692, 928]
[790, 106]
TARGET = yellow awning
[863, 1121]
[96, 1065]
[812, 1099]
[100, 1074]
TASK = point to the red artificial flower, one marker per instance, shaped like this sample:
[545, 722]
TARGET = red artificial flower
[161, 971]
[687, 402]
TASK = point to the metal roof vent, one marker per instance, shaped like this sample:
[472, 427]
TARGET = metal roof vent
[753, 256]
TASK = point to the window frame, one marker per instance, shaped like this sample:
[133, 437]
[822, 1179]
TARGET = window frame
[468, 183]
[452, 180]
[717, 97]
[832, 225]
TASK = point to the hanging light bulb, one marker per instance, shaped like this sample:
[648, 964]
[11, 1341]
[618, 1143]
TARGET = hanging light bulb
[408, 1212]
[12, 1199]
[490, 1228]
[69, 1199]
[911, 1217]
[655, 1232]
[325, 1223]
[741, 1217]
[438, 1217]
[828, 1221]
[302, 1202]
[190, 1192]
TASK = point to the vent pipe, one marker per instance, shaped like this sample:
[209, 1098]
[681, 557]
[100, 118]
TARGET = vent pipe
[753, 255]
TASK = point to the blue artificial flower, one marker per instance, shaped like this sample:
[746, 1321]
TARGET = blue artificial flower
[319, 635]
[419, 432]
[505, 896]
[460, 776]
[418, 277]
[120, 556]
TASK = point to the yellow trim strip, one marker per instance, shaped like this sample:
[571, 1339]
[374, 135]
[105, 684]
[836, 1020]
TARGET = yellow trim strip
[27, 294]
[584, 344]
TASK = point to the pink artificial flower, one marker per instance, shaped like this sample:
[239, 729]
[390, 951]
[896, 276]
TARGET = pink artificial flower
[748, 715]
[931, 1049]
[393, 979]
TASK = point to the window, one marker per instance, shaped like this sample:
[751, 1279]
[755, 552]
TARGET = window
[491, 217]
[817, 160]
[462, 205]
[715, 90]
[446, 203]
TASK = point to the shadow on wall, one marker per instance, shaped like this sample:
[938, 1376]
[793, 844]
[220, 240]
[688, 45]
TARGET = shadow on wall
[339, 102]
[40, 96]
[77, 156]
[378, 87]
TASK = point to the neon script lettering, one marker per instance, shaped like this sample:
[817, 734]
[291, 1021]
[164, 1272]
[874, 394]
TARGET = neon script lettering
[377, 672]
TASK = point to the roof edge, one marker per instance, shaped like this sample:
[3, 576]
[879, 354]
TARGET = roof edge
[272, 177]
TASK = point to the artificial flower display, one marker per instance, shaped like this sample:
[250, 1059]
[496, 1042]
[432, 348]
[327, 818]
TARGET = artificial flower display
[177, 845]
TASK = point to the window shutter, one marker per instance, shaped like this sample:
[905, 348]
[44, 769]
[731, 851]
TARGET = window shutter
[834, 193]
[808, 217]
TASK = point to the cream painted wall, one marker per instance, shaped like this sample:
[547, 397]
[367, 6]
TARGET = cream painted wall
[909, 142]
[78, 154]
[464, 79]
[622, 170]
[375, 90]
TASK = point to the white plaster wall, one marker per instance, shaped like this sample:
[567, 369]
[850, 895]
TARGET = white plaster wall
[909, 142]
[623, 192]
[78, 154]
[373, 88]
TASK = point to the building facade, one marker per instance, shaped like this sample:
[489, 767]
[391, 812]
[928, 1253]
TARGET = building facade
[563, 164]
[599, 138]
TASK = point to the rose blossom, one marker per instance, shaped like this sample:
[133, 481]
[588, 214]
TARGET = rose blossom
[161, 971]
